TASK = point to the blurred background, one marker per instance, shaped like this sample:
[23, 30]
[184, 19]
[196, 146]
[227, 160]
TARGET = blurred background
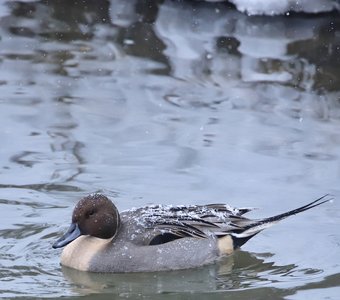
[173, 102]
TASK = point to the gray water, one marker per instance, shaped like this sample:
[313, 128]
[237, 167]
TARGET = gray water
[174, 103]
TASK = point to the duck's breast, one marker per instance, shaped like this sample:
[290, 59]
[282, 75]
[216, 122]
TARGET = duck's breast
[79, 253]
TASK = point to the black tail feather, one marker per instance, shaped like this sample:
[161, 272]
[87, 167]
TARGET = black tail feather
[242, 235]
[240, 241]
[279, 217]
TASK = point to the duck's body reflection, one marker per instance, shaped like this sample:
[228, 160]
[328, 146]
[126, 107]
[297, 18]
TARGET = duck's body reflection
[240, 270]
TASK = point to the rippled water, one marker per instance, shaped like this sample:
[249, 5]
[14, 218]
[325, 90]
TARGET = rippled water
[169, 102]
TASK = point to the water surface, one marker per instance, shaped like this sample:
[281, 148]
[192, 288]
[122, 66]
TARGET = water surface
[169, 102]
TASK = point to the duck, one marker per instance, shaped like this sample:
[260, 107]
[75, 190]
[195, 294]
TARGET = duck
[157, 237]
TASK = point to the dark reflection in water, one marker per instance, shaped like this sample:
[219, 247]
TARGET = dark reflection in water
[176, 102]
[242, 275]
[237, 272]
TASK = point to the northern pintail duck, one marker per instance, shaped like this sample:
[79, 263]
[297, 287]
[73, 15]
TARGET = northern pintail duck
[157, 237]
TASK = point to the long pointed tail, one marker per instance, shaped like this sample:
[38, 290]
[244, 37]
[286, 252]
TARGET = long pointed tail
[241, 236]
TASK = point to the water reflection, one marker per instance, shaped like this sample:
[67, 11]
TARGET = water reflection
[261, 48]
[240, 273]
[176, 102]
[237, 272]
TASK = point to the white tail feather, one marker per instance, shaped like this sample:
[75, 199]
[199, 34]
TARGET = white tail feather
[253, 230]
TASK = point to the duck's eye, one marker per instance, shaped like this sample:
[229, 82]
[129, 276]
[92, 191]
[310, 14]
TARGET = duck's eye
[90, 213]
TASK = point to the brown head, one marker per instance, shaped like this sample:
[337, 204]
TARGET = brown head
[94, 215]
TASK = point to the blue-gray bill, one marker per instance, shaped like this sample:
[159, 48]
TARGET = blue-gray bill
[72, 233]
